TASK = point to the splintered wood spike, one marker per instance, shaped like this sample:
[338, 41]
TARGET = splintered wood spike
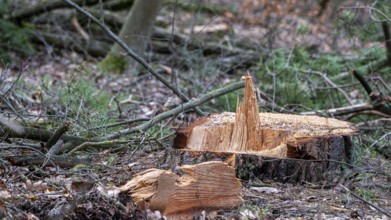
[248, 133]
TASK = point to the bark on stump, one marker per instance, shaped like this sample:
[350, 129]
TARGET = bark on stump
[268, 146]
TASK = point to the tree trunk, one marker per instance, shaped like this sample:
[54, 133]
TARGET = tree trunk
[308, 148]
[136, 29]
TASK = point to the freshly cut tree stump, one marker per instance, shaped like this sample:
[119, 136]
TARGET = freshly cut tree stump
[204, 186]
[254, 138]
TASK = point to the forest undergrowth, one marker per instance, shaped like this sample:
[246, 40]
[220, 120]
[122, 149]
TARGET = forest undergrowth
[301, 63]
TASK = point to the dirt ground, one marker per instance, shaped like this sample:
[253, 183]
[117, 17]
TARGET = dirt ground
[84, 191]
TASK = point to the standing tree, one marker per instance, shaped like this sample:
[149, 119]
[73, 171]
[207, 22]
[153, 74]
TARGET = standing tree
[134, 31]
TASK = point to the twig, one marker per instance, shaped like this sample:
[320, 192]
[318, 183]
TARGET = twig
[386, 18]
[367, 202]
[3, 97]
[381, 138]
[79, 29]
[177, 110]
[132, 54]
[342, 110]
[366, 112]
[91, 144]
[380, 102]
[375, 124]
[120, 123]
[57, 135]
[53, 151]
[328, 80]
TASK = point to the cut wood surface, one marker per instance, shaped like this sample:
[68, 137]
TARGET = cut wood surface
[248, 131]
[205, 186]
[250, 135]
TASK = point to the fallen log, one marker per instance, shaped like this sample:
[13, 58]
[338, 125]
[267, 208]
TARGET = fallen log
[39, 8]
[38, 134]
[303, 148]
[39, 160]
[206, 186]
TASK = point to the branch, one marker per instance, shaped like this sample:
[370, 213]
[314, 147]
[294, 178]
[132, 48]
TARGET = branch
[387, 40]
[363, 82]
[57, 135]
[328, 81]
[380, 102]
[117, 5]
[44, 7]
[129, 121]
[61, 161]
[341, 111]
[132, 54]
[366, 112]
[96, 144]
[189, 105]
[367, 202]
[37, 134]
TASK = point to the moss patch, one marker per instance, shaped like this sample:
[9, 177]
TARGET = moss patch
[113, 64]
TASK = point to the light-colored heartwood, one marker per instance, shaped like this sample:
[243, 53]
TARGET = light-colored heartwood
[204, 186]
[267, 134]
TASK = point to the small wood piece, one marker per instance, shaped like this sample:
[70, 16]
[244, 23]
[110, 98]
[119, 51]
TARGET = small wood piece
[204, 186]
[250, 134]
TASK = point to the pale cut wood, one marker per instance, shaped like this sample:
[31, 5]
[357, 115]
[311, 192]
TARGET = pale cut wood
[308, 148]
[204, 186]
[248, 131]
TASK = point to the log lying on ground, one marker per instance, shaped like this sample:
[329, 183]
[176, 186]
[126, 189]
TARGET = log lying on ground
[205, 186]
[321, 143]
[39, 160]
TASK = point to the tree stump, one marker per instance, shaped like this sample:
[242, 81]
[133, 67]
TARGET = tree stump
[283, 147]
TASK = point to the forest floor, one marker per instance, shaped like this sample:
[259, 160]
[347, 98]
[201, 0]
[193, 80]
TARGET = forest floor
[83, 191]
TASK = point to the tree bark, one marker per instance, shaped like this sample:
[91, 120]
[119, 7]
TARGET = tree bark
[38, 160]
[136, 29]
[303, 148]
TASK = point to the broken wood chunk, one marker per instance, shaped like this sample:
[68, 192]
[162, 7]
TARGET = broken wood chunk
[283, 136]
[205, 186]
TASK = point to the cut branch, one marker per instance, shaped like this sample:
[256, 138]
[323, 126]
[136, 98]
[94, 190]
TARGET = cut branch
[39, 134]
[57, 135]
[38, 160]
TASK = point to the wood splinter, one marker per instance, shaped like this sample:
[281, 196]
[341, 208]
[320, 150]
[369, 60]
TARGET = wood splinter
[251, 136]
[204, 186]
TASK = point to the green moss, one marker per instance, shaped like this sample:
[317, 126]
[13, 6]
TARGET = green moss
[113, 64]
